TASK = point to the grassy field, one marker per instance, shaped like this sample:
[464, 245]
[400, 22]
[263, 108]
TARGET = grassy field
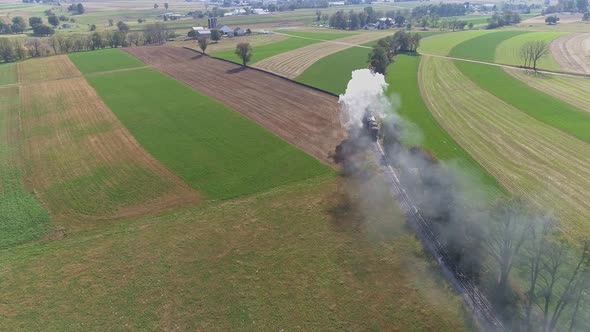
[22, 218]
[536, 104]
[442, 44]
[7, 73]
[79, 159]
[299, 256]
[531, 159]
[328, 35]
[103, 60]
[507, 51]
[213, 148]
[402, 77]
[266, 51]
[482, 47]
[572, 90]
[332, 73]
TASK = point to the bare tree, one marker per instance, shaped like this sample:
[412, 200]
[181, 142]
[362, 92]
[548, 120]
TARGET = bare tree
[532, 52]
[506, 235]
[533, 252]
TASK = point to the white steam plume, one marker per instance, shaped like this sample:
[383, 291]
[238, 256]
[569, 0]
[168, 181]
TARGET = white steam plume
[364, 92]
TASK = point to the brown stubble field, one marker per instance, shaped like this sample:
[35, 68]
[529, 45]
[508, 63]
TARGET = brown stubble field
[572, 52]
[304, 117]
[293, 63]
[79, 159]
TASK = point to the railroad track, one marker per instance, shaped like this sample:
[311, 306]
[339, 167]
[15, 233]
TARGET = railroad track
[475, 300]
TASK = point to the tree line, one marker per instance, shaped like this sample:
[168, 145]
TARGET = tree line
[19, 49]
[387, 48]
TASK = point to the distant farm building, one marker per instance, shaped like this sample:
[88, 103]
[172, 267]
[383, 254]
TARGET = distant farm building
[201, 32]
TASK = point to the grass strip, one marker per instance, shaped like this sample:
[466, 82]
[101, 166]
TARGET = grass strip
[538, 105]
[483, 47]
[268, 50]
[103, 60]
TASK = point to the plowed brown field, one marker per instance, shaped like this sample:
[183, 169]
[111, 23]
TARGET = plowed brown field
[293, 63]
[302, 116]
[81, 161]
[572, 52]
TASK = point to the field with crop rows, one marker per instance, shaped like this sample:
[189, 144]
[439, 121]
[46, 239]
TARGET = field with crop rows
[22, 217]
[572, 90]
[529, 158]
[482, 47]
[443, 43]
[402, 78]
[80, 160]
[293, 63]
[536, 104]
[507, 52]
[216, 150]
[267, 51]
[103, 60]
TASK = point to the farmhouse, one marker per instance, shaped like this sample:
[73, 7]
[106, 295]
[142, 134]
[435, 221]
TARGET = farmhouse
[227, 31]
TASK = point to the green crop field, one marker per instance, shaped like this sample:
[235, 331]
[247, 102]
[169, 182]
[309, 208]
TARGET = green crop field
[402, 77]
[483, 47]
[507, 51]
[540, 106]
[298, 256]
[214, 149]
[7, 73]
[332, 73]
[22, 218]
[443, 43]
[266, 51]
[318, 35]
[103, 60]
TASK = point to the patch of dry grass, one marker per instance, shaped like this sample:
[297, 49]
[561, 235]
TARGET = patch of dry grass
[529, 158]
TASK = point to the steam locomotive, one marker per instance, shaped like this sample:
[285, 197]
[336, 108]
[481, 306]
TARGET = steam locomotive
[371, 126]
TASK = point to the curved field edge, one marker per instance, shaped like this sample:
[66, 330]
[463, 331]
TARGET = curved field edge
[572, 90]
[483, 47]
[251, 263]
[266, 51]
[507, 52]
[333, 72]
[535, 103]
[214, 149]
[531, 159]
[22, 217]
[443, 43]
[424, 130]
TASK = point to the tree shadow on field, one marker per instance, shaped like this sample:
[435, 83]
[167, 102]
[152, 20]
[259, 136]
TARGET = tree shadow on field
[197, 57]
[236, 70]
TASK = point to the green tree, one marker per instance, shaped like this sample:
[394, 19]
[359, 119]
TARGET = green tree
[166, 5]
[80, 8]
[379, 60]
[35, 20]
[203, 42]
[215, 35]
[552, 20]
[244, 52]
[582, 5]
[156, 6]
[53, 20]
[123, 27]
[43, 30]
[18, 24]
[111, 22]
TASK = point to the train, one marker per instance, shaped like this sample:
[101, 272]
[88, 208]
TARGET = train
[371, 125]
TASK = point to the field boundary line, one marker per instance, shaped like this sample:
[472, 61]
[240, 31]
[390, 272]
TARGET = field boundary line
[334, 41]
[544, 71]
[266, 72]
